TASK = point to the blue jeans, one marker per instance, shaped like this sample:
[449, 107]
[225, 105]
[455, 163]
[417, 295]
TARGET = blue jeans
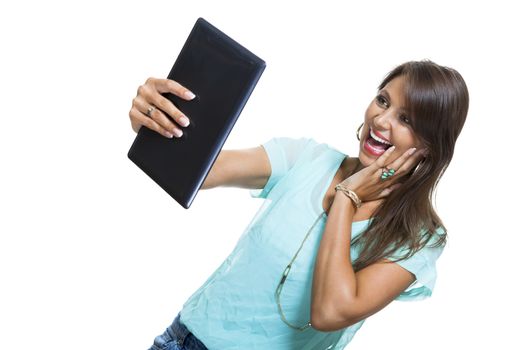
[177, 337]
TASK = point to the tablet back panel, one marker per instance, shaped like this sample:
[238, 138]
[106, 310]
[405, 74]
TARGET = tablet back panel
[222, 74]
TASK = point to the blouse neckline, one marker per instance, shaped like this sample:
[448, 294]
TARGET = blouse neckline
[319, 202]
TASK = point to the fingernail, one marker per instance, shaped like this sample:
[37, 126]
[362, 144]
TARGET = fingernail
[412, 150]
[168, 135]
[184, 121]
[189, 95]
[391, 148]
[178, 133]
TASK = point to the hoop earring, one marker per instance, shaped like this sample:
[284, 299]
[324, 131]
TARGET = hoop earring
[359, 131]
[418, 166]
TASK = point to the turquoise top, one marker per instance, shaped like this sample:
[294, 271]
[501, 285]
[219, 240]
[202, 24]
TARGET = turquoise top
[235, 308]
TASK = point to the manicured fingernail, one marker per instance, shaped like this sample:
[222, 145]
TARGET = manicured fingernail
[189, 95]
[168, 135]
[178, 133]
[184, 121]
[411, 151]
[391, 148]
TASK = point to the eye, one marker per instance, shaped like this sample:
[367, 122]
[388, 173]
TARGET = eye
[405, 119]
[382, 101]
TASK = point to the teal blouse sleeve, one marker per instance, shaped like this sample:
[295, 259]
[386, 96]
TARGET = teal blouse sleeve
[283, 153]
[423, 265]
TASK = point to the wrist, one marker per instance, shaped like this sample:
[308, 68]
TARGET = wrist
[347, 184]
[350, 194]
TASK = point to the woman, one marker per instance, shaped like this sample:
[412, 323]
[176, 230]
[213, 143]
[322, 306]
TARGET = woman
[337, 238]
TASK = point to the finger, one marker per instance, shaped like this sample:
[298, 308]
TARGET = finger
[389, 190]
[169, 108]
[413, 161]
[138, 118]
[381, 161]
[397, 163]
[158, 116]
[149, 94]
[168, 85]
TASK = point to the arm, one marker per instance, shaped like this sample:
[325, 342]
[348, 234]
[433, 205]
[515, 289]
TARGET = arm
[245, 168]
[341, 297]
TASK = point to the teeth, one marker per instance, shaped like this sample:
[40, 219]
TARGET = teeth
[378, 139]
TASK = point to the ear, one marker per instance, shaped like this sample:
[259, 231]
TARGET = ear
[420, 143]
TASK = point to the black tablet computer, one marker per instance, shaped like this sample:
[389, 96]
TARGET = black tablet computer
[222, 74]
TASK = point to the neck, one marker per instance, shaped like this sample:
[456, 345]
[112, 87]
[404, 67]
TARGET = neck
[368, 208]
[354, 165]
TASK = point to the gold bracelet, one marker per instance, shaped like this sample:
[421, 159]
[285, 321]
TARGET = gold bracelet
[350, 194]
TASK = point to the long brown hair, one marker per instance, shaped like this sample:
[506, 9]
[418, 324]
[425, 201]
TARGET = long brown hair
[438, 99]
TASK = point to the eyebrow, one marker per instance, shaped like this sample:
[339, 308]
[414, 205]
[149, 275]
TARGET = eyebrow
[388, 97]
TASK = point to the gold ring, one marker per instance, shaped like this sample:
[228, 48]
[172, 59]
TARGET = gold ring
[150, 110]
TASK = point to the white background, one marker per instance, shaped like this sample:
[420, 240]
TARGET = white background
[94, 255]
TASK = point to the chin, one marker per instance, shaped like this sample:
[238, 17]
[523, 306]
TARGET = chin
[365, 160]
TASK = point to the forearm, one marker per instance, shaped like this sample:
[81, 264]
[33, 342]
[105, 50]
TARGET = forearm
[334, 282]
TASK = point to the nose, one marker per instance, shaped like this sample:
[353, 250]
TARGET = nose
[383, 120]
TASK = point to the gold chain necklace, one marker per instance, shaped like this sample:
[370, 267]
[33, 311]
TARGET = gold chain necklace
[283, 279]
[289, 266]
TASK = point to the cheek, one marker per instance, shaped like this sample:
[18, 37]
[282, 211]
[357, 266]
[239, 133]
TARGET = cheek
[417, 142]
[408, 140]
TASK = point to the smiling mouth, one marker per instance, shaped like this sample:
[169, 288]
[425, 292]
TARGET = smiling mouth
[376, 145]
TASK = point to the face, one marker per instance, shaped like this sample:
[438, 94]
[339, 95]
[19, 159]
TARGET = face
[387, 123]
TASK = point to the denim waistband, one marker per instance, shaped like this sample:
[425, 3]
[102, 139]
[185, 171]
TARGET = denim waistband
[184, 337]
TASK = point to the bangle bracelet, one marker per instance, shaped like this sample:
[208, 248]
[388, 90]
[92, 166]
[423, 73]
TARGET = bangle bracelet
[350, 194]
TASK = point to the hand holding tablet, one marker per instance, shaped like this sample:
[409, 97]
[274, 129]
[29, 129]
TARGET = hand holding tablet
[156, 112]
[221, 74]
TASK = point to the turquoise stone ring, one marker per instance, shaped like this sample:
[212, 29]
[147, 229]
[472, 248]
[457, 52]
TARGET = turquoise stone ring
[387, 173]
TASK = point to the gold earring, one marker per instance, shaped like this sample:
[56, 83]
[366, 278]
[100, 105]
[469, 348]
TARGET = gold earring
[359, 131]
[418, 166]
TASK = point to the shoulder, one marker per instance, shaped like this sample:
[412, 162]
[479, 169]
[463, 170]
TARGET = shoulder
[291, 149]
[423, 264]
